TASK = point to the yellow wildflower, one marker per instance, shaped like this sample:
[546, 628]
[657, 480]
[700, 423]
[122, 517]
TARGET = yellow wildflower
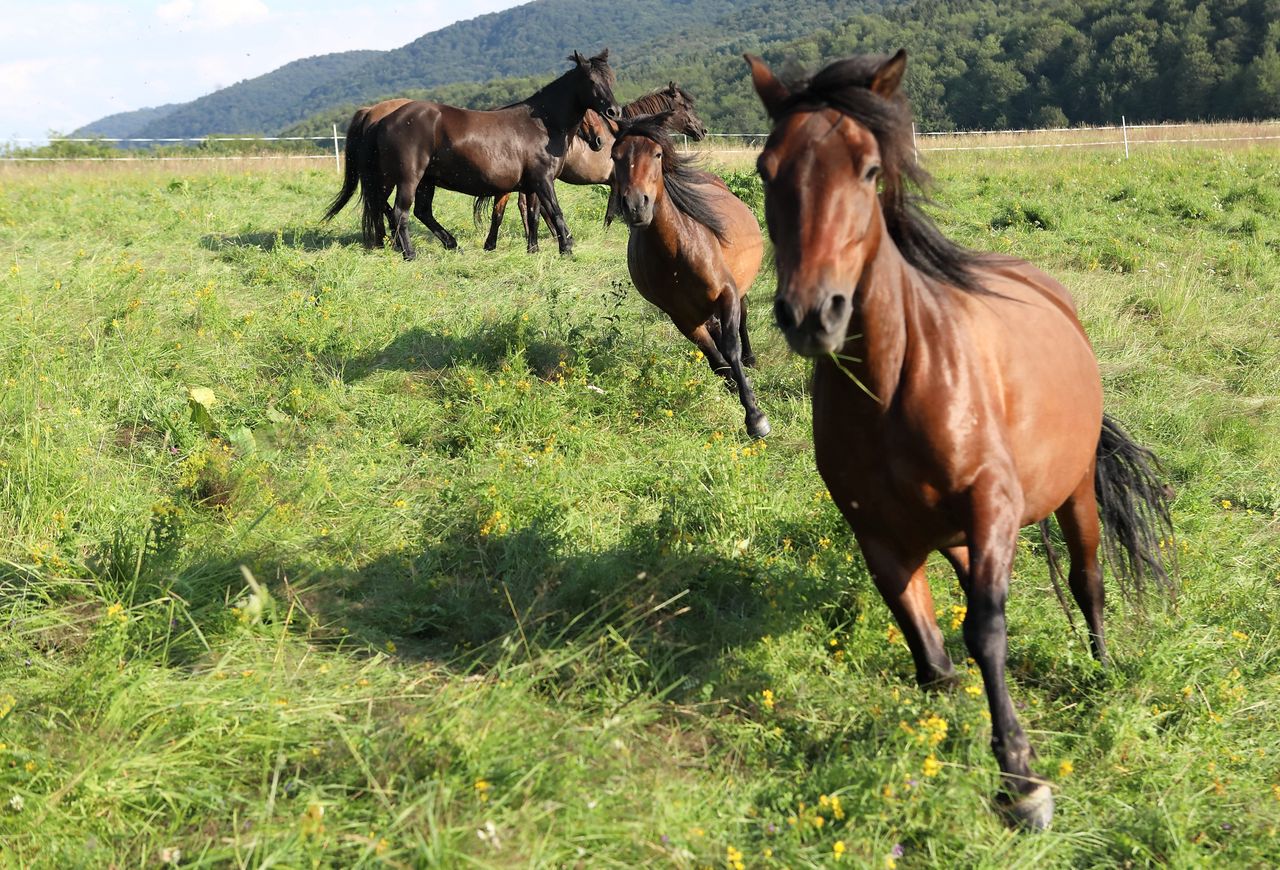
[932, 767]
[482, 787]
[837, 849]
[1065, 769]
[767, 696]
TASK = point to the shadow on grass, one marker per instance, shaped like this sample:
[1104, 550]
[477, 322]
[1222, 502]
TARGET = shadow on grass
[488, 346]
[310, 239]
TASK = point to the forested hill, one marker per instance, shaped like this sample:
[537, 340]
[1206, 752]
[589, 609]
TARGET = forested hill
[973, 63]
[528, 40]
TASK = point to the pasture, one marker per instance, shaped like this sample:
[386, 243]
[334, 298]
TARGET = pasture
[315, 557]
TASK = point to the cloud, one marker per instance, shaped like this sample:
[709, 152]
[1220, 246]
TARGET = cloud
[212, 14]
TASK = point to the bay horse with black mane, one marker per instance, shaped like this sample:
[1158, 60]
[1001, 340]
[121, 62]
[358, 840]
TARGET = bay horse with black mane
[956, 397]
[694, 248]
[589, 160]
[424, 145]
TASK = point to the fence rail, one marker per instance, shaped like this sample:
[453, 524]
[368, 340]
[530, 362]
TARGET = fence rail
[1131, 135]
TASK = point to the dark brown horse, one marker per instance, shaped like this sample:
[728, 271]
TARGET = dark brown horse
[694, 250]
[589, 160]
[353, 153]
[956, 397]
[423, 145]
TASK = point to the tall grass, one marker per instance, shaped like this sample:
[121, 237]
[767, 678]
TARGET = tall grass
[314, 557]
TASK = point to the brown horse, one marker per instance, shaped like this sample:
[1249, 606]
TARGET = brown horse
[353, 153]
[956, 397]
[589, 160]
[424, 145]
[694, 250]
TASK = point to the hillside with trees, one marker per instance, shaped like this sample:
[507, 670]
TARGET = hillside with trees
[974, 63]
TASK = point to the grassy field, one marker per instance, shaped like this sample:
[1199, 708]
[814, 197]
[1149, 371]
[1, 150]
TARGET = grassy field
[313, 557]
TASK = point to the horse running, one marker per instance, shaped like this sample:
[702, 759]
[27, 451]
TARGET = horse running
[424, 145]
[589, 160]
[694, 249]
[956, 397]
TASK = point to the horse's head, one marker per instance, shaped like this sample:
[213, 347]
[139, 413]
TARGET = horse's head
[595, 84]
[594, 130]
[640, 152]
[684, 119]
[836, 137]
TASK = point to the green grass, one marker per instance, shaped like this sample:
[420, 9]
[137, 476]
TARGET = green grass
[520, 582]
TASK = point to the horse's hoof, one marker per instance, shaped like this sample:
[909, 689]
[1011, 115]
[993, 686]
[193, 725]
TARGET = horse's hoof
[1032, 811]
[749, 361]
[758, 427]
[939, 682]
[489, 247]
[409, 255]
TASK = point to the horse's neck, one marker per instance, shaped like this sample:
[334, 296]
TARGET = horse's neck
[554, 107]
[669, 225]
[887, 306]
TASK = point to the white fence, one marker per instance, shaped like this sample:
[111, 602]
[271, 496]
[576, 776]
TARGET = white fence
[1122, 135]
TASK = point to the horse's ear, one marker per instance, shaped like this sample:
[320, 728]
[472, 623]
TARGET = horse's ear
[577, 58]
[888, 78]
[772, 92]
[603, 56]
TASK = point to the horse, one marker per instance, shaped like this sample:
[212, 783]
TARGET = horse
[424, 145]
[589, 161]
[956, 397]
[353, 153]
[694, 248]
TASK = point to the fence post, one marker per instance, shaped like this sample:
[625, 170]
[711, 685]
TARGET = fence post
[915, 150]
[337, 164]
[1125, 127]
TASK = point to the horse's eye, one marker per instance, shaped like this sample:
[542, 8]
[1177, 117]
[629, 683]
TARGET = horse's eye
[872, 172]
[657, 155]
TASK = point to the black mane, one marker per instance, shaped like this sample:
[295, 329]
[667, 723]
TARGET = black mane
[657, 101]
[845, 86]
[681, 177]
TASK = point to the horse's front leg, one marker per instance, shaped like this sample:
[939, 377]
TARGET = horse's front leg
[995, 515]
[730, 342]
[546, 190]
[902, 583]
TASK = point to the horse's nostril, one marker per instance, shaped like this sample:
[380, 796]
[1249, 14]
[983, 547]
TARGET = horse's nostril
[833, 312]
[784, 314]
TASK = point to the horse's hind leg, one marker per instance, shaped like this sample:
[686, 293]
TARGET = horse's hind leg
[1078, 518]
[422, 211]
[529, 215]
[400, 219]
[495, 222]
[748, 356]
[731, 348]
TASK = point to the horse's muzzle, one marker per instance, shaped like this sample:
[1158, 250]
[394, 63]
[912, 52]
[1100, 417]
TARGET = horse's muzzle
[637, 209]
[816, 330]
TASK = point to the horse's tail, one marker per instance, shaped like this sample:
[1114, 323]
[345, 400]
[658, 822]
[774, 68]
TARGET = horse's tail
[1137, 530]
[373, 198]
[351, 172]
[482, 208]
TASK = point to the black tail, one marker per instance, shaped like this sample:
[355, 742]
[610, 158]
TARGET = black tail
[351, 172]
[483, 208]
[373, 198]
[1134, 504]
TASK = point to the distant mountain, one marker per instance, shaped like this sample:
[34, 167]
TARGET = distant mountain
[123, 124]
[528, 40]
[973, 63]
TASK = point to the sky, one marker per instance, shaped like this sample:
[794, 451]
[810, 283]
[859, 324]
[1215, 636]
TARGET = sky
[64, 64]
